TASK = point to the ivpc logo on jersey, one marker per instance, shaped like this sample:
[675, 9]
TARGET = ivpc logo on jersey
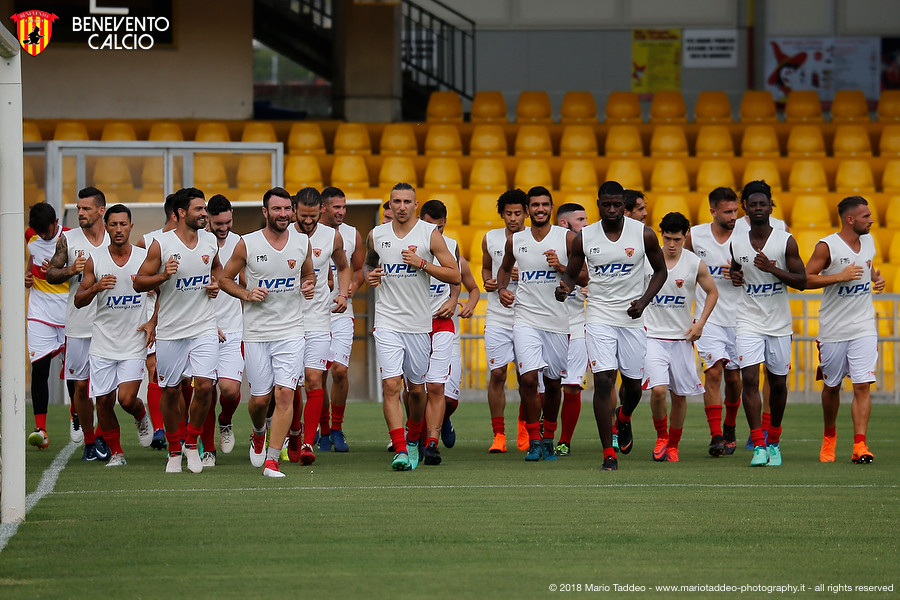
[34, 28]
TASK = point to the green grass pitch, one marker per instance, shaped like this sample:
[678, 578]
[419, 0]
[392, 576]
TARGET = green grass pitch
[477, 526]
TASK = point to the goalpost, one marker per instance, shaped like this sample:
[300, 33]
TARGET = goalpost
[12, 294]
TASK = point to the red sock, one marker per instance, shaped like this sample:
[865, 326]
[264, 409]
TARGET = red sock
[209, 428]
[142, 413]
[325, 418]
[774, 435]
[609, 452]
[534, 431]
[311, 413]
[297, 414]
[398, 439]
[431, 439]
[674, 437]
[766, 422]
[154, 395]
[89, 436]
[450, 407]
[621, 416]
[571, 409]
[549, 429]
[498, 425]
[174, 441]
[831, 431]
[113, 439]
[731, 413]
[714, 418]
[40, 421]
[337, 416]
[182, 430]
[414, 430]
[193, 432]
[661, 426]
[859, 438]
[756, 435]
[615, 429]
[98, 431]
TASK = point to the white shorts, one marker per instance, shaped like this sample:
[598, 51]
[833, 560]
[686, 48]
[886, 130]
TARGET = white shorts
[717, 343]
[441, 355]
[231, 358]
[774, 351]
[341, 341]
[402, 354]
[539, 350]
[193, 357]
[577, 362]
[78, 363]
[856, 358]
[316, 350]
[108, 374]
[610, 348]
[498, 346]
[451, 388]
[671, 363]
[44, 340]
[274, 363]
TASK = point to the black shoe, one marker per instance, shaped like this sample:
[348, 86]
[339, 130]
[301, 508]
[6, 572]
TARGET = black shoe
[159, 440]
[90, 453]
[610, 464]
[626, 440]
[730, 440]
[432, 454]
[101, 448]
[717, 446]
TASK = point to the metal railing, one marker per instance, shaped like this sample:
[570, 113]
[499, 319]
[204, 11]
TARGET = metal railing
[437, 53]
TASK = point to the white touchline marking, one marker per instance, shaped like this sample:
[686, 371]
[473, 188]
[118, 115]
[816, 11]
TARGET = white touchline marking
[45, 486]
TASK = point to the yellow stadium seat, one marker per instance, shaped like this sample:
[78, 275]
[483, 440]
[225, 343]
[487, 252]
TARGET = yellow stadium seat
[712, 107]
[534, 107]
[894, 252]
[578, 175]
[889, 142]
[487, 140]
[702, 214]
[443, 174]
[854, 177]
[623, 140]
[627, 172]
[533, 140]
[668, 140]
[164, 131]
[807, 238]
[443, 140]
[152, 179]
[578, 140]
[623, 107]
[489, 107]
[588, 201]
[209, 175]
[852, 140]
[889, 105]
[352, 138]
[893, 213]
[444, 106]
[808, 176]
[30, 132]
[806, 140]
[349, 171]
[713, 174]
[849, 106]
[212, 132]
[533, 172]
[663, 204]
[762, 170]
[803, 106]
[668, 107]
[118, 131]
[450, 200]
[488, 174]
[483, 212]
[890, 180]
[757, 106]
[578, 107]
[71, 130]
[760, 140]
[306, 138]
[669, 175]
[258, 131]
[254, 173]
[399, 139]
[397, 168]
[112, 175]
[810, 211]
[714, 140]
[302, 170]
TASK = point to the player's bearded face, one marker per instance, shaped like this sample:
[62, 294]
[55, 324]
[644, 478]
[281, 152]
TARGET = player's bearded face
[196, 214]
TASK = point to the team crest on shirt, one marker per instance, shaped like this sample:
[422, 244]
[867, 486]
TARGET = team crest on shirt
[869, 264]
[491, 361]
[133, 276]
[629, 252]
[412, 248]
[291, 263]
[679, 282]
[71, 371]
[317, 252]
[205, 258]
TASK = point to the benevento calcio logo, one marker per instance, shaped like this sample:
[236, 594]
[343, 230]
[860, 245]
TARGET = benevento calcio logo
[34, 28]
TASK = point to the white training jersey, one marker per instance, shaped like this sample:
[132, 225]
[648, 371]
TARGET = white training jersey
[668, 316]
[616, 271]
[440, 291]
[280, 315]
[575, 305]
[496, 314]
[229, 312]
[150, 302]
[317, 311]
[536, 304]
[185, 311]
[402, 300]
[763, 306]
[120, 310]
[47, 302]
[348, 235]
[743, 224]
[79, 320]
[847, 312]
[718, 259]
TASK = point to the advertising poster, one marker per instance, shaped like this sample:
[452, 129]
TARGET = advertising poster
[655, 60]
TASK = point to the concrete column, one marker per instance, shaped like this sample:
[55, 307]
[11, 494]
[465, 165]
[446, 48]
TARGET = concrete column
[368, 82]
